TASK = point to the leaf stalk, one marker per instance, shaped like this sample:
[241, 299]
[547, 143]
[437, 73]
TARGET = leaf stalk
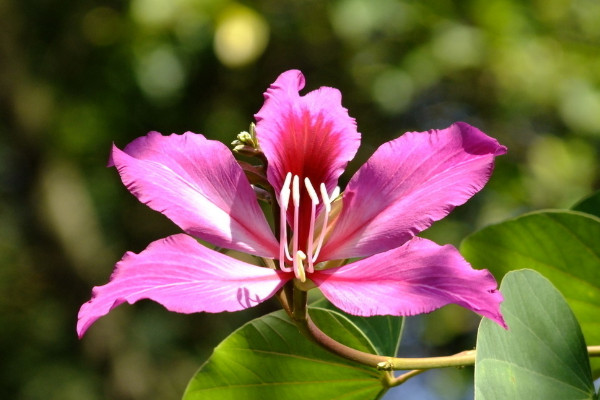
[384, 363]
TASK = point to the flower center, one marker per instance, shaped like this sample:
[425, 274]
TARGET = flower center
[291, 187]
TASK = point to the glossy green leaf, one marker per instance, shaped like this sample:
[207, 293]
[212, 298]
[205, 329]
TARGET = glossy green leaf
[268, 359]
[564, 246]
[339, 327]
[542, 355]
[383, 332]
[590, 205]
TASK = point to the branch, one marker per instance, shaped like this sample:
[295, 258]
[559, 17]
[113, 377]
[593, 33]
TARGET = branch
[392, 381]
[465, 358]
[382, 362]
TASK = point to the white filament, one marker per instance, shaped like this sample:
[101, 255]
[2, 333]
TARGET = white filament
[296, 201]
[284, 198]
[297, 256]
[313, 210]
[327, 202]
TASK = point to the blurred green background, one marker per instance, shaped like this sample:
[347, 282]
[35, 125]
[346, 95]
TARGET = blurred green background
[77, 75]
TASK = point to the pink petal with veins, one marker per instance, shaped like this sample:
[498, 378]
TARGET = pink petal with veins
[408, 184]
[197, 184]
[311, 136]
[416, 278]
[185, 277]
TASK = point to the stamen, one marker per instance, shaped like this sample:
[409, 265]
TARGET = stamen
[284, 199]
[311, 191]
[326, 199]
[291, 188]
[284, 196]
[313, 211]
[327, 203]
[334, 194]
[296, 230]
[296, 191]
[299, 266]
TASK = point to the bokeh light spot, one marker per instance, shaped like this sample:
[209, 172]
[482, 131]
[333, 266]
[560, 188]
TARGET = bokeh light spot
[153, 12]
[241, 36]
[580, 107]
[353, 19]
[160, 73]
[560, 171]
[458, 46]
[393, 90]
[358, 21]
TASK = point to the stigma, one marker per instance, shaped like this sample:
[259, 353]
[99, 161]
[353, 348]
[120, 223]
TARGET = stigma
[293, 251]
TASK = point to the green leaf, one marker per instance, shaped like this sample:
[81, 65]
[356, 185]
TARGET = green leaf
[339, 327]
[542, 355]
[268, 358]
[383, 331]
[590, 205]
[564, 246]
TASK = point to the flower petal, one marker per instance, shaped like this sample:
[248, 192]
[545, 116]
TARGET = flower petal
[185, 277]
[408, 184]
[416, 278]
[197, 184]
[311, 136]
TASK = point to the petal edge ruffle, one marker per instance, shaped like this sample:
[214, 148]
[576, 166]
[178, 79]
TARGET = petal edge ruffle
[311, 136]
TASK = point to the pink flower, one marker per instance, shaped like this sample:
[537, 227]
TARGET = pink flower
[406, 185]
